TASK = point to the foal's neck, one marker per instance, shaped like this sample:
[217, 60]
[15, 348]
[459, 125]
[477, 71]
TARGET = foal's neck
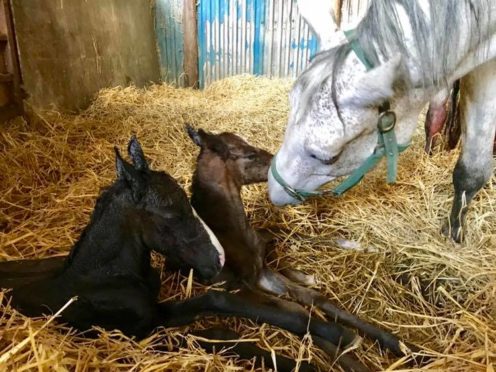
[216, 194]
[110, 243]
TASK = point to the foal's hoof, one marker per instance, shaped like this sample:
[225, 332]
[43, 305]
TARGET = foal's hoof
[452, 231]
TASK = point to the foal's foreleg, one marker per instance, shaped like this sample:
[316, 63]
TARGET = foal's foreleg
[474, 166]
[283, 286]
[254, 306]
[298, 277]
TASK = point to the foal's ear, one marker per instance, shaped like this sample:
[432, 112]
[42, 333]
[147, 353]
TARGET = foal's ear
[376, 86]
[127, 172]
[137, 155]
[194, 135]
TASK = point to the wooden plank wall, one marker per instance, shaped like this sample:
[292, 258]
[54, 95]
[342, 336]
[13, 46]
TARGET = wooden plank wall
[10, 82]
[69, 49]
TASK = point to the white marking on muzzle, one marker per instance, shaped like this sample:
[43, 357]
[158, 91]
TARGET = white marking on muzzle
[213, 239]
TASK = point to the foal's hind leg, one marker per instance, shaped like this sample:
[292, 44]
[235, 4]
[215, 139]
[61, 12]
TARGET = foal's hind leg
[278, 284]
[14, 274]
[246, 350]
[474, 166]
[122, 303]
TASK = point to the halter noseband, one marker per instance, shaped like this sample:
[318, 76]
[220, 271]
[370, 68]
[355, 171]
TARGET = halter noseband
[387, 146]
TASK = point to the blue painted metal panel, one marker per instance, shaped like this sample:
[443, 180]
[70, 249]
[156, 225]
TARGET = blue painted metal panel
[170, 40]
[261, 37]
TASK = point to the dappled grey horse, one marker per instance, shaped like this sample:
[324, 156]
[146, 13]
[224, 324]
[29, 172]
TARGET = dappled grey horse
[441, 119]
[359, 102]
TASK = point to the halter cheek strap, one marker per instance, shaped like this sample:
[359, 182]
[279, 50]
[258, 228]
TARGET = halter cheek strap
[387, 146]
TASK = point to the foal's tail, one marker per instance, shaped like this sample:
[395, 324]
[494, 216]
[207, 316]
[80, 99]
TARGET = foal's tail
[15, 274]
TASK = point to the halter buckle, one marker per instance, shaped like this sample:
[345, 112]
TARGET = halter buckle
[294, 193]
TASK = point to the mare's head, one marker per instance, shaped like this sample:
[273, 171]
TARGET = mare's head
[246, 163]
[332, 124]
[162, 217]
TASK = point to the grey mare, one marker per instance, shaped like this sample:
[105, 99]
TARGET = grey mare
[417, 48]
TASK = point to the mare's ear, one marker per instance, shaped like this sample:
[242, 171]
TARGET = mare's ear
[195, 136]
[376, 86]
[319, 15]
[137, 155]
[126, 171]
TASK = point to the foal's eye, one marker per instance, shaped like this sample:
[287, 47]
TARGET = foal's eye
[251, 156]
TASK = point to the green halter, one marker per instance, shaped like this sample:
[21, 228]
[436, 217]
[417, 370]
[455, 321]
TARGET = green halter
[387, 145]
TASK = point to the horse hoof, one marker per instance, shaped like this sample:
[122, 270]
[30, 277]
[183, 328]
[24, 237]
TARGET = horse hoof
[452, 232]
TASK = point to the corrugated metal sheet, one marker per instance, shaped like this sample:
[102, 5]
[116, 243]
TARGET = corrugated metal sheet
[261, 37]
[170, 40]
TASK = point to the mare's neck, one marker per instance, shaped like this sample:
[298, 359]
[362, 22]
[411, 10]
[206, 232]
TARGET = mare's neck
[472, 44]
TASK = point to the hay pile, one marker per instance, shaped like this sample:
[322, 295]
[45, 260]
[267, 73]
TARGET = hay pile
[411, 281]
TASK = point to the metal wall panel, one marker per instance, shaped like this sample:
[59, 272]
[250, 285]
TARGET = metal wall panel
[261, 37]
[170, 40]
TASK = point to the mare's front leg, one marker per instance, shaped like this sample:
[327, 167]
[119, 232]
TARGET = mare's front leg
[475, 164]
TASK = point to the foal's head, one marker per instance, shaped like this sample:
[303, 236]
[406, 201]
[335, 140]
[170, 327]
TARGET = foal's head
[163, 216]
[247, 164]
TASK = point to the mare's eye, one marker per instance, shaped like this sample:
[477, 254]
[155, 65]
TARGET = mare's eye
[332, 160]
[326, 161]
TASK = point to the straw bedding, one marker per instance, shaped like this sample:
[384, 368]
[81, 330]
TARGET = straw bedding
[408, 278]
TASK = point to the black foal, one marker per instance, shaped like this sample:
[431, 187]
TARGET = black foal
[109, 270]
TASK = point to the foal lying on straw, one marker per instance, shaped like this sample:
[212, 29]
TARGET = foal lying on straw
[109, 270]
[225, 163]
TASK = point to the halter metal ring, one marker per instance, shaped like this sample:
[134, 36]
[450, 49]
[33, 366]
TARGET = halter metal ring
[387, 121]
